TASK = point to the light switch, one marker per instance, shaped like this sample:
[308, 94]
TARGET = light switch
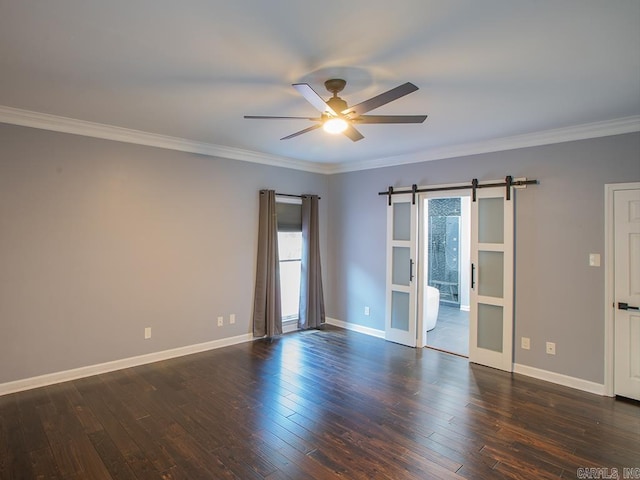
[594, 259]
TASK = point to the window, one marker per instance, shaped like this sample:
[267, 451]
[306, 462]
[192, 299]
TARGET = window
[290, 253]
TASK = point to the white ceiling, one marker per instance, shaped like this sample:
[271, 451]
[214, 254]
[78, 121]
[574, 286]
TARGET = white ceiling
[486, 69]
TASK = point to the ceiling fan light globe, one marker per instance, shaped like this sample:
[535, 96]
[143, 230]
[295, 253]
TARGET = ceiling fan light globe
[335, 125]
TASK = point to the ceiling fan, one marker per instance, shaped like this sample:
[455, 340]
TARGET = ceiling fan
[337, 117]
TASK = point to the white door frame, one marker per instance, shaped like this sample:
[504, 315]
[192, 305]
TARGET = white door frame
[609, 300]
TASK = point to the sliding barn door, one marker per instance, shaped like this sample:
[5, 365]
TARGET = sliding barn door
[491, 308]
[401, 304]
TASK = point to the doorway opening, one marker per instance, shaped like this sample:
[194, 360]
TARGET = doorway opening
[446, 250]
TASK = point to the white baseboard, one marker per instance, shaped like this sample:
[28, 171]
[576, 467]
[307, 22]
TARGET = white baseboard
[356, 328]
[560, 379]
[67, 375]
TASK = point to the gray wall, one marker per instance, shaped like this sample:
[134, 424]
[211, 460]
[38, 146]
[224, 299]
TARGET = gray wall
[559, 297]
[101, 239]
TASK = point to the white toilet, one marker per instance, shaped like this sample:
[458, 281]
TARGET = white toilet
[432, 306]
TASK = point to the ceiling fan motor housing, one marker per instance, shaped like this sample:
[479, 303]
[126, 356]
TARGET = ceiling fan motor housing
[337, 104]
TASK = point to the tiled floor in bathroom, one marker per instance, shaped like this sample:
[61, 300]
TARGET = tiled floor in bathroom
[452, 331]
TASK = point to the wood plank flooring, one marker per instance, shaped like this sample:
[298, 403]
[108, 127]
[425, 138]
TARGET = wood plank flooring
[314, 405]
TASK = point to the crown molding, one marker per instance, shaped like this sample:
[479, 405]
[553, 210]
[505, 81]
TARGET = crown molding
[607, 128]
[44, 121]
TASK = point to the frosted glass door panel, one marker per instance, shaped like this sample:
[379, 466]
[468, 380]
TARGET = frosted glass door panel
[400, 311]
[401, 262]
[491, 274]
[490, 327]
[402, 221]
[491, 220]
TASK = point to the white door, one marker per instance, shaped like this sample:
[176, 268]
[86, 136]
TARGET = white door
[401, 305]
[626, 206]
[491, 306]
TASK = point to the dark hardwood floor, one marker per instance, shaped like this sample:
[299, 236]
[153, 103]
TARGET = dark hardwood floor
[323, 404]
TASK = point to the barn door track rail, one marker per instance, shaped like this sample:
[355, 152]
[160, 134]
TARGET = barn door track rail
[474, 185]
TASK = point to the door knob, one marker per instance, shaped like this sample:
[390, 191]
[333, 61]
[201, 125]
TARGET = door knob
[626, 306]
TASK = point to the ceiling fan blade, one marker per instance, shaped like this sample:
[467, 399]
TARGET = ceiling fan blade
[382, 99]
[353, 134]
[308, 129]
[260, 117]
[390, 119]
[313, 98]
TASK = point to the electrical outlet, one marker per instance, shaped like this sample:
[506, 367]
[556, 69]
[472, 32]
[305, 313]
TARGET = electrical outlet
[232, 318]
[367, 311]
[525, 343]
[551, 348]
[220, 321]
[594, 259]
[147, 333]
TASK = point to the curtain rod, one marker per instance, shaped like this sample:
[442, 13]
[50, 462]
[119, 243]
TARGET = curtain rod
[508, 183]
[290, 195]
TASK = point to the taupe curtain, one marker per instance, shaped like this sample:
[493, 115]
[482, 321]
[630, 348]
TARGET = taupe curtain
[311, 297]
[267, 316]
